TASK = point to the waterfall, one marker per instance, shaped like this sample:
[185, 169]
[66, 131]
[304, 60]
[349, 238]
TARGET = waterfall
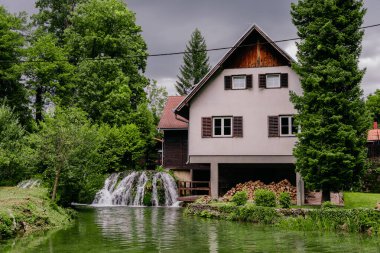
[30, 183]
[135, 188]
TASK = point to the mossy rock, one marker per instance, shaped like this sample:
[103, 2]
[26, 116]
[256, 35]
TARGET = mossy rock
[147, 200]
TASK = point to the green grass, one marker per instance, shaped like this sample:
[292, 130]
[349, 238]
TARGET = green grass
[28, 210]
[358, 199]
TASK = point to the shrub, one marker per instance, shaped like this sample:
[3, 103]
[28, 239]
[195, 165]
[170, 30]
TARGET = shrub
[240, 198]
[327, 204]
[255, 214]
[284, 200]
[265, 198]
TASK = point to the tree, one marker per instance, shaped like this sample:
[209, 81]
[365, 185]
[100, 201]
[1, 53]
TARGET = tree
[331, 152]
[53, 16]
[157, 97]
[15, 155]
[195, 64]
[373, 105]
[49, 75]
[12, 91]
[68, 150]
[111, 88]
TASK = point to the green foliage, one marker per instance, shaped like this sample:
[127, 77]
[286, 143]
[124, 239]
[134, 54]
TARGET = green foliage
[240, 198]
[255, 214]
[331, 150]
[50, 77]
[109, 89]
[284, 199]
[68, 150]
[16, 157]
[121, 148]
[373, 105]
[53, 15]
[195, 64]
[12, 91]
[157, 97]
[265, 198]
[327, 204]
[328, 219]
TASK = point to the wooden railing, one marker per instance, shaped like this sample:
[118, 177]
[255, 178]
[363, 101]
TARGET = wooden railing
[188, 188]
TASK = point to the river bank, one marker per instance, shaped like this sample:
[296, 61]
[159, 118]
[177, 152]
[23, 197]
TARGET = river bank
[23, 211]
[358, 220]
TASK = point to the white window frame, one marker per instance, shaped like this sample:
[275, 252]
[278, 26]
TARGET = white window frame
[222, 127]
[239, 88]
[290, 125]
[279, 81]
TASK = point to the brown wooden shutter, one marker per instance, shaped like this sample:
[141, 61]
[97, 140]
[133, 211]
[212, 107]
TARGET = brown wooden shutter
[206, 127]
[238, 126]
[273, 128]
[284, 80]
[249, 81]
[262, 81]
[228, 82]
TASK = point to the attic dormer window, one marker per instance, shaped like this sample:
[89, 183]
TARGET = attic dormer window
[239, 82]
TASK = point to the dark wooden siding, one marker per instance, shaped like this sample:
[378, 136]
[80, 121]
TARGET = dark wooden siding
[255, 53]
[374, 151]
[175, 148]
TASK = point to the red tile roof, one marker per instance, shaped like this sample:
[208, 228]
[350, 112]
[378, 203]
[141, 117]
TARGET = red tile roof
[168, 119]
[374, 135]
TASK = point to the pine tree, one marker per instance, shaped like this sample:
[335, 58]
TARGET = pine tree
[373, 105]
[195, 64]
[330, 152]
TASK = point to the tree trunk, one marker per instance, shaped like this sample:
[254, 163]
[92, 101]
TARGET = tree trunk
[57, 175]
[326, 195]
[39, 104]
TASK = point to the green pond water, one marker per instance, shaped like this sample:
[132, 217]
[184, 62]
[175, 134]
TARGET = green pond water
[126, 229]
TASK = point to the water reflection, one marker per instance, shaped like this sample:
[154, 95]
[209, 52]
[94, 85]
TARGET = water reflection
[123, 229]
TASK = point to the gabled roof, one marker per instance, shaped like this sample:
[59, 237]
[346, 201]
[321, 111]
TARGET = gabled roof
[182, 109]
[168, 119]
[373, 135]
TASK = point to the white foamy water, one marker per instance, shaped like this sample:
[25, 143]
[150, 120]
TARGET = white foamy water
[122, 189]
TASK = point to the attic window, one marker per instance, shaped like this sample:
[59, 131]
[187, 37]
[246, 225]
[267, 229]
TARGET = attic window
[239, 82]
[273, 80]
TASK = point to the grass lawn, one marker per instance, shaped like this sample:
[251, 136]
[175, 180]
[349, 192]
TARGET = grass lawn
[359, 199]
[28, 210]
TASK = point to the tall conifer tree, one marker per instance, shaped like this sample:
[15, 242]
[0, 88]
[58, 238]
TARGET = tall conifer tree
[195, 64]
[330, 152]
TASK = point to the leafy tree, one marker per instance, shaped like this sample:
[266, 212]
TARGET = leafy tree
[195, 64]
[104, 29]
[373, 105]
[48, 73]
[68, 149]
[15, 155]
[121, 147]
[53, 16]
[157, 97]
[330, 152]
[12, 92]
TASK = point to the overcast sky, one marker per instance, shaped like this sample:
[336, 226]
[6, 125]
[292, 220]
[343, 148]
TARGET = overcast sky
[168, 24]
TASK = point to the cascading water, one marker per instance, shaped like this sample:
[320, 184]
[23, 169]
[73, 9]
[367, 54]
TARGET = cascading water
[30, 183]
[138, 189]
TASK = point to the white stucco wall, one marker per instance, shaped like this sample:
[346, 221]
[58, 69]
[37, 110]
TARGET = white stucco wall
[255, 105]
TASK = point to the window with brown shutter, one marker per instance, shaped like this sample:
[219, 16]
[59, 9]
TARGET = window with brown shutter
[262, 81]
[238, 126]
[206, 127]
[273, 129]
[228, 82]
[249, 81]
[284, 80]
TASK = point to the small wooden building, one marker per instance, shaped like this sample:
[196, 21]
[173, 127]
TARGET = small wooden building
[373, 143]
